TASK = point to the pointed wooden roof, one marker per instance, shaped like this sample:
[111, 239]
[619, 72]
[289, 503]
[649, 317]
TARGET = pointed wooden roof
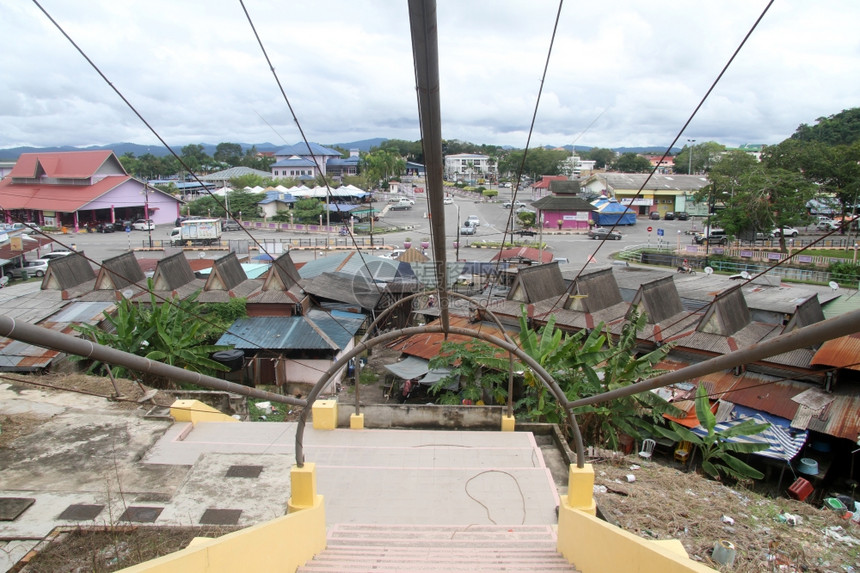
[808, 312]
[68, 272]
[727, 315]
[119, 272]
[283, 274]
[536, 283]
[595, 291]
[172, 272]
[226, 274]
[659, 300]
[413, 255]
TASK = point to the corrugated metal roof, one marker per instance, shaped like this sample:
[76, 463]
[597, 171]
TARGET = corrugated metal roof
[841, 418]
[429, 345]
[842, 352]
[526, 253]
[351, 263]
[316, 331]
[51, 197]
[61, 164]
[840, 305]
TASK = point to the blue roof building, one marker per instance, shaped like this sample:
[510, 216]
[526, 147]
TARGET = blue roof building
[293, 351]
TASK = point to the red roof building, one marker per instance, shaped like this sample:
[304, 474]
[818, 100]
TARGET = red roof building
[76, 188]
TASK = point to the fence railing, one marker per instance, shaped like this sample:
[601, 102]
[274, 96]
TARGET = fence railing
[669, 257]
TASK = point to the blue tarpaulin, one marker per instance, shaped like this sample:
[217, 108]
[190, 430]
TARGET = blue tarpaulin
[611, 212]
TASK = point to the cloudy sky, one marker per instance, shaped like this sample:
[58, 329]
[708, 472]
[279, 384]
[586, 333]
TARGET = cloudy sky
[622, 73]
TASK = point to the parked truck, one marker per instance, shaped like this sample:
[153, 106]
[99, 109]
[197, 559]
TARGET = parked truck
[196, 232]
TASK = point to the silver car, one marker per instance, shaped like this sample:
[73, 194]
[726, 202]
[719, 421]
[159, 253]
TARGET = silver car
[34, 268]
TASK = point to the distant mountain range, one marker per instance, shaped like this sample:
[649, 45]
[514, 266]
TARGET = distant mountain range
[12, 153]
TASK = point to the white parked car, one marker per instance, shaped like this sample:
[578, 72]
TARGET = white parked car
[448, 201]
[787, 231]
[143, 225]
[473, 221]
[55, 255]
[509, 204]
[393, 255]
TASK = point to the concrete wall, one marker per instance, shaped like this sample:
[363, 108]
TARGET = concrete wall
[594, 546]
[432, 416]
[225, 402]
[282, 544]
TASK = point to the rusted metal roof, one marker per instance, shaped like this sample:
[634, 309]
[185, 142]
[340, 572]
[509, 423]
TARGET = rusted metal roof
[840, 418]
[429, 345]
[842, 352]
[524, 253]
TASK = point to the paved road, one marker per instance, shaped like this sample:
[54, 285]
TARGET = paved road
[575, 246]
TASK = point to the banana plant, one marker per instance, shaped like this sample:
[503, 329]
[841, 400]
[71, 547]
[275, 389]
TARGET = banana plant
[716, 449]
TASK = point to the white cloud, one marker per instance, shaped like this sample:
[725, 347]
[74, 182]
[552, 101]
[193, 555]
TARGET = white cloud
[195, 71]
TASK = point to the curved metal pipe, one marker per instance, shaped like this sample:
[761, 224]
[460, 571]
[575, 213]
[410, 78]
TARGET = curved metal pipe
[443, 301]
[366, 344]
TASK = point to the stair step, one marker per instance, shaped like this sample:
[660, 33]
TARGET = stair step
[392, 548]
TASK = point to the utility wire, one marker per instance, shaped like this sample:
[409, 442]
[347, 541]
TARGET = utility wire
[519, 173]
[666, 153]
[178, 158]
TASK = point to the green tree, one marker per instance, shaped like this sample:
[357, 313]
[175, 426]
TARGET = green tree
[632, 163]
[527, 218]
[195, 157]
[480, 368]
[130, 163]
[731, 176]
[601, 156]
[842, 128]
[229, 153]
[716, 448]
[704, 156]
[167, 332]
[835, 169]
[539, 161]
[308, 210]
[250, 180]
[587, 364]
[379, 166]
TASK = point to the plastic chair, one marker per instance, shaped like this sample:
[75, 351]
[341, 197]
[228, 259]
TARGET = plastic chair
[682, 452]
[647, 448]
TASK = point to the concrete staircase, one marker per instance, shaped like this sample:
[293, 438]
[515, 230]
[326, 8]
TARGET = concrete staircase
[401, 548]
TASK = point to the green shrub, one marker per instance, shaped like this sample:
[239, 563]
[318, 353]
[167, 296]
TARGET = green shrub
[844, 273]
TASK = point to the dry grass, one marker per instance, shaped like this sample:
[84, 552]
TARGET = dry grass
[666, 503]
[99, 550]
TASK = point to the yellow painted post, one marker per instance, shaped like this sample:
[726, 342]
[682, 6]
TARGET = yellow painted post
[356, 421]
[325, 414]
[508, 423]
[580, 488]
[196, 411]
[303, 488]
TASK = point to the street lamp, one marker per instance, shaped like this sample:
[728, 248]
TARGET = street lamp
[690, 164]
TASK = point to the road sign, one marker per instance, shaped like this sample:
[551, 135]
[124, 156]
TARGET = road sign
[650, 229]
[659, 232]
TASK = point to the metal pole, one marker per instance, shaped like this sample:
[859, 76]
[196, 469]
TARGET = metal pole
[457, 243]
[690, 164]
[146, 208]
[46, 338]
[848, 323]
[425, 52]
